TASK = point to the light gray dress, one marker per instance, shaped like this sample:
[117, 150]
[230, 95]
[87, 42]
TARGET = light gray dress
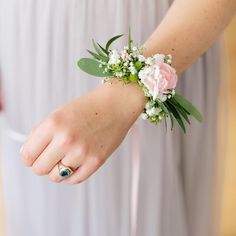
[40, 42]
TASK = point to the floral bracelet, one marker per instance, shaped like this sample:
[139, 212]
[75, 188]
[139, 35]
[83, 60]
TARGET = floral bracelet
[155, 75]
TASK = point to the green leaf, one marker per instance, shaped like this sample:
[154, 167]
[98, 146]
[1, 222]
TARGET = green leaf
[183, 114]
[188, 106]
[138, 65]
[103, 49]
[110, 41]
[91, 67]
[180, 109]
[165, 123]
[171, 120]
[129, 40]
[97, 49]
[176, 116]
[98, 57]
[95, 55]
[163, 106]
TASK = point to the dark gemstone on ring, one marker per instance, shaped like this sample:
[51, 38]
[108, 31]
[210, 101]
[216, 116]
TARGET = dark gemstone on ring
[65, 172]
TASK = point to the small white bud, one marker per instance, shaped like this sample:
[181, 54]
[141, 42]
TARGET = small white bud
[141, 58]
[162, 97]
[150, 61]
[144, 116]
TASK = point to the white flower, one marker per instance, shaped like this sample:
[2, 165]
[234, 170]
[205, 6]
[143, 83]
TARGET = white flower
[145, 72]
[162, 97]
[153, 111]
[132, 70]
[173, 92]
[134, 48]
[144, 116]
[159, 58]
[169, 59]
[150, 77]
[125, 56]
[119, 74]
[148, 105]
[114, 57]
[147, 94]
[150, 61]
[141, 58]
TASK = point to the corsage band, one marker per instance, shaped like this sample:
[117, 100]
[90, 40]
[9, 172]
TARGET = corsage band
[154, 74]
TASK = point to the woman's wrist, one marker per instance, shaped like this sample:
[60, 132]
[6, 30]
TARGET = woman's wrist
[128, 98]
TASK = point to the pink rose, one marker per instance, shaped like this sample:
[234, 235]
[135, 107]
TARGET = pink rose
[158, 78]
[169, 75]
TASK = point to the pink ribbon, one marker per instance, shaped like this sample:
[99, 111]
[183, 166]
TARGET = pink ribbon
[135, 140]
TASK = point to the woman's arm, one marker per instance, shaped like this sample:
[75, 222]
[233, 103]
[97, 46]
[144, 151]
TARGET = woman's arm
[189, 29]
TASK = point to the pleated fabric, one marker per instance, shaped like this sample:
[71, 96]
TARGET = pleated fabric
[40, 43]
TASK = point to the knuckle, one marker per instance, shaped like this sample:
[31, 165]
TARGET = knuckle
[67, 139]
[54, 120]
[27, 157]
[82, 151]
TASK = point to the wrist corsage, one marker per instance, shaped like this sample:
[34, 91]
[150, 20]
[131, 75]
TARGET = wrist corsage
[155, 75]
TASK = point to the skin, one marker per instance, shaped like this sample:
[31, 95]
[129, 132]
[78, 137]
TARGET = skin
[83, 144]
[85, 132]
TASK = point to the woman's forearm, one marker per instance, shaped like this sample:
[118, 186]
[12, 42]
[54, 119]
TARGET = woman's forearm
[189, 29]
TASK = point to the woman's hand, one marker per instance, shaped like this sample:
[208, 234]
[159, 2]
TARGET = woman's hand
[83, 133]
